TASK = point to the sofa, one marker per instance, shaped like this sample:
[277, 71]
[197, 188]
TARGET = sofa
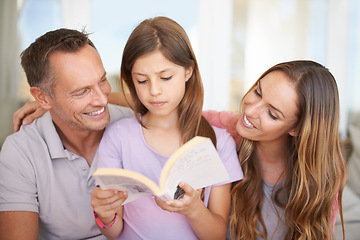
[351, 193]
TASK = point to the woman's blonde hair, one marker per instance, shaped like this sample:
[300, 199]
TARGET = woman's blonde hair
[315, 171]
[167, 36]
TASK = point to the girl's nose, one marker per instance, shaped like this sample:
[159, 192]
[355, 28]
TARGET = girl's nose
[155, 88]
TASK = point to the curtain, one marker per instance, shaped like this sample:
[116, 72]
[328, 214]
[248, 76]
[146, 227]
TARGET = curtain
[10, 69]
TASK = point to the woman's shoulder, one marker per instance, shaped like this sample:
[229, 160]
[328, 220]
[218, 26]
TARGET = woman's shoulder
[225, 120]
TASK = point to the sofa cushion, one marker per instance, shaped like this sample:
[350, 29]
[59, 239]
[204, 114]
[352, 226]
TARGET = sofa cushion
[353, 165]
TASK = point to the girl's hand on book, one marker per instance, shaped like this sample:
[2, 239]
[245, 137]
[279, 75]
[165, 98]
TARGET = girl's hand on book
[186, 205]
[107, 202]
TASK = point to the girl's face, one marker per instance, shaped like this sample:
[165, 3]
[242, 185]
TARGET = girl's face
[269, 111]
[159, 83]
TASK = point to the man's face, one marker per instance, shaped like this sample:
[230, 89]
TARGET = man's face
[81, 90]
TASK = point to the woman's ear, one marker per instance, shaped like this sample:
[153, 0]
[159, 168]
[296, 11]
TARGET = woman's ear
[41, 97]
[188, 73]
[293, 133]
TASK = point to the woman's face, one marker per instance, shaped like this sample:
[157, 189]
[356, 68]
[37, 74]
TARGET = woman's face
[270, 109]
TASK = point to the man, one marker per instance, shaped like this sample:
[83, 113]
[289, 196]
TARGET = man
[46, 167]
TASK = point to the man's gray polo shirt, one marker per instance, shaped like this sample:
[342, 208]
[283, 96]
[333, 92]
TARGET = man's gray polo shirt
[37, 174]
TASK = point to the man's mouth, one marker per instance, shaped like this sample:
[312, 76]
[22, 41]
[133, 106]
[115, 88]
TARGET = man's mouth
[96, 112]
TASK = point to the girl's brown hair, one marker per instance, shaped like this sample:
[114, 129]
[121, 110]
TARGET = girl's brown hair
[167, 36]
[315, 171]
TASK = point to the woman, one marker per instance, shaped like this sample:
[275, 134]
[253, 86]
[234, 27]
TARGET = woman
[289, 151]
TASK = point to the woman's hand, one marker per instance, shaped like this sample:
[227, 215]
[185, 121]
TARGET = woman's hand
[27, 114]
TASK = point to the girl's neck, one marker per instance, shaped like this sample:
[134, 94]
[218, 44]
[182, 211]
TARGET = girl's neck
[161, 122]
[162, 134]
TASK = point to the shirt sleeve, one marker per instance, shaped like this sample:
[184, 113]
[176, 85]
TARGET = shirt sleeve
[18, 191]
[109, 151]
[226, 148]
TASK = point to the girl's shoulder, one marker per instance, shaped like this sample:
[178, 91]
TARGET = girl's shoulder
[125, 122]
[123, 126]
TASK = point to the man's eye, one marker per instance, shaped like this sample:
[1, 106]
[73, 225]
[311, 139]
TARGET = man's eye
[81, 93]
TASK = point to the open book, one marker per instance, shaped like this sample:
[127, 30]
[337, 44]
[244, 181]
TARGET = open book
[196, 163]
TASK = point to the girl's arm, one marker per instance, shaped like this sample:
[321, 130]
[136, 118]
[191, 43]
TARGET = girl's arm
[207, 223]
[106, 203]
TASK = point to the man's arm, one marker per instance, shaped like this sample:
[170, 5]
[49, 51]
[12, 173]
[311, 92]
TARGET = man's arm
[19, 225]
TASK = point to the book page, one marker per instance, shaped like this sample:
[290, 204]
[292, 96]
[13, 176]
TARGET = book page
[200, 167]
[125, 180]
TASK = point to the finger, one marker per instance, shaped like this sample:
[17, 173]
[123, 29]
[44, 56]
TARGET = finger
[17, 119]
[169, 205]
[28, 108]
[109, 204]
[187, 188]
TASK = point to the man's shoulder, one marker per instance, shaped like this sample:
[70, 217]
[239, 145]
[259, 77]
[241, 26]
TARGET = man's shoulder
[29, 136]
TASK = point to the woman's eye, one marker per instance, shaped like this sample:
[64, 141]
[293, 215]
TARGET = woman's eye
[272, 116]
[166, 78]
[257, 92]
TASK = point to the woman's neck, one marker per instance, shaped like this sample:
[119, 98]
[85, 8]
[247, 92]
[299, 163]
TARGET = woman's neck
[272, 159]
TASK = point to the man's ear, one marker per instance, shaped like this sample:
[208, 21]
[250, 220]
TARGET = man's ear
[41, 97]
[188, 73]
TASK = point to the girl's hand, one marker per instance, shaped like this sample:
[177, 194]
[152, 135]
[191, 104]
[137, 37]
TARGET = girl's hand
[187, 205]
[106, 203]
[27, 114]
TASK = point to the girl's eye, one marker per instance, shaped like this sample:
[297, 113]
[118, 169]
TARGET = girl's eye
[166, 78]
[143, 81]
[272, 116]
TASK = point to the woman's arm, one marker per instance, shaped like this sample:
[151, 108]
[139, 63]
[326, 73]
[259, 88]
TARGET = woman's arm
[32, 110]
[118, 98]
[27, 114]
[224, 119]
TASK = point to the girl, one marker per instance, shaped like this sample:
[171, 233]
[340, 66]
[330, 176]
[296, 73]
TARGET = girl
[294, 172]
[161, 72]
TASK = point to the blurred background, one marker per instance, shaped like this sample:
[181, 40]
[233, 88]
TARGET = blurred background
[235, 41]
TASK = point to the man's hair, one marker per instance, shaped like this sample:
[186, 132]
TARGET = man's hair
[35, 59]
